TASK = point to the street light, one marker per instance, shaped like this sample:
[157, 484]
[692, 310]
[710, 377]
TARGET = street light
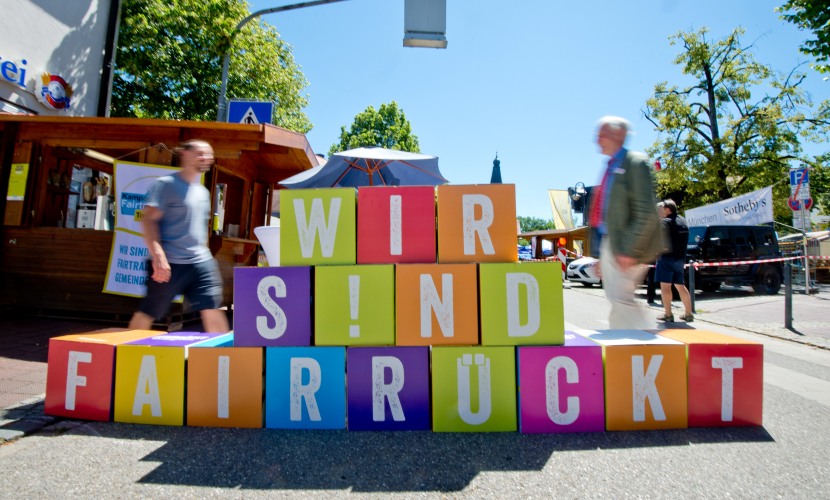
[221, 112]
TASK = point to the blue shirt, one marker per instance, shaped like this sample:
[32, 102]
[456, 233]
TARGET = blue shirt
[183, 227]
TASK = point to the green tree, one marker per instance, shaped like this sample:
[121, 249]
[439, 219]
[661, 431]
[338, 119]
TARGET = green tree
[716, 139]
[812, 15]
[528, 224]
[387, 128]
[169, 62]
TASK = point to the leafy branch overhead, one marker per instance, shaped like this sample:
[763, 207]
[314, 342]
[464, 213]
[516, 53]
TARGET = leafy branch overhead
[386, 127]
[811, 15]
[169, 62]
[735, 127]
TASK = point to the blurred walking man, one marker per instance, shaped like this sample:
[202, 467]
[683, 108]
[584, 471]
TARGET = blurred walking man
[176, 218]
[623, 214]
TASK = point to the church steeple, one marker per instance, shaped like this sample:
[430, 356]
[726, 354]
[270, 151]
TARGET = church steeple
[495, 177]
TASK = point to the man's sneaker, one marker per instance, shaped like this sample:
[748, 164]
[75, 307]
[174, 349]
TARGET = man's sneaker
[668, 318]
[688, 317]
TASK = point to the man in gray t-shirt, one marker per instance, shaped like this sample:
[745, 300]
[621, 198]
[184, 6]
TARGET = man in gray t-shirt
[176, 217]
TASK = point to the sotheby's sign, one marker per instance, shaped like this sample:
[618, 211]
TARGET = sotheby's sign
[747, 210]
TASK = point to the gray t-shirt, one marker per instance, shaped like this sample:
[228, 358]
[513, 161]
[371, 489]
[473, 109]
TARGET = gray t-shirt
[183, 227]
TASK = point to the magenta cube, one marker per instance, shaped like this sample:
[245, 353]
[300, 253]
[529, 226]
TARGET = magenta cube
[272, 306]
[561, 387]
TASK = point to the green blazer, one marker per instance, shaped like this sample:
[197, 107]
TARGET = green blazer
[631, 218]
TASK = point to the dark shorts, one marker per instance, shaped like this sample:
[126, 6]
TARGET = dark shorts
[201, 284]
[669, 270]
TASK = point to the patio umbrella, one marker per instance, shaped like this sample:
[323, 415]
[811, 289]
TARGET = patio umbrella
[370, 167]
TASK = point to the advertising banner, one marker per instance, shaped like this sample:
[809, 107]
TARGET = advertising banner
[129, 256]
[560, 203]
[745, 210]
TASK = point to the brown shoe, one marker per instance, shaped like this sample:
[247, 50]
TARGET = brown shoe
[668, 318]
[688, 318]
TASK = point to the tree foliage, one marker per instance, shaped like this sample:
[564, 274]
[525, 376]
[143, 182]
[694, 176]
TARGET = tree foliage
[717, 138]
[387, 128]
[812, 15]
[528, 224]
[169, 62]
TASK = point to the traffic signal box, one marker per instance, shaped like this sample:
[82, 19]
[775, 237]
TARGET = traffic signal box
[561, 387]
[726, 378]
[150, 377]
[80, 372]
[645, 380]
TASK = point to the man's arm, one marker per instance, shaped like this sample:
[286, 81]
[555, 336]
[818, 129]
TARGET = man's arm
[152, 238]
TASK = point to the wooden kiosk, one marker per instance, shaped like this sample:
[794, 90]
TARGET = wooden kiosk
[53, 260]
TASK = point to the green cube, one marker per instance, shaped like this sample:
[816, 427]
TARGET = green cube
[521, 304]
[354, 305]
[317, 226]
[473, 389]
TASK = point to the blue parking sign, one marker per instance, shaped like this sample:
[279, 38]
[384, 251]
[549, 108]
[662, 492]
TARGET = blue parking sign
[251, 112]
[799, 176]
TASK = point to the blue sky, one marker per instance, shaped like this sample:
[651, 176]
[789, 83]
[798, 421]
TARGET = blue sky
[527, 79]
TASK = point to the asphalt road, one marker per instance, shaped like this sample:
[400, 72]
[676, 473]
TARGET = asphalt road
[788, 457]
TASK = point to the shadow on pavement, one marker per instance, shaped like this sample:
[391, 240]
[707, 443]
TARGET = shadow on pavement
[372, 461]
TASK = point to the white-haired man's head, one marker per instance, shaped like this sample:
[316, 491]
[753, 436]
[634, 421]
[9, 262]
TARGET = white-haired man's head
[611, 134]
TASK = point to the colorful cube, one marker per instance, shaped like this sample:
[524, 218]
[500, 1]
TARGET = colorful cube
[354, 305]
[474, 389]
[726, 378]
[521, 304]
[645, 380]
[305, 387]
[395, 224]
[317, 226]
[388, 388]
[80, 371]
[224, 386]
[150, 376]
[272, 306]
[434, 304]
[477, 223]
[561, 388]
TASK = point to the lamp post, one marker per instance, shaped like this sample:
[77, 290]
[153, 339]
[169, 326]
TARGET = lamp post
[579, 199]
[221, 112]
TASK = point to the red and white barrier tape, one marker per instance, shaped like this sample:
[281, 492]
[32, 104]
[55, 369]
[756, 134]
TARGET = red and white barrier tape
[740, 262]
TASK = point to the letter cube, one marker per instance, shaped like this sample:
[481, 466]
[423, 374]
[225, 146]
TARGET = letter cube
[388, 388]
[305, 387]
[645, 380]
[726, 378]
[354, 305]
[434, 304]
[224, 386]
[521, 304]
[473, 389]
[149, 378]
[395, 224]
[317, 226]
[80, 371]
[561, 388]
[272, 306]
[477, 223]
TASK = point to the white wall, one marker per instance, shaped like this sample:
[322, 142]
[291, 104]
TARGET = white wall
[61, 37]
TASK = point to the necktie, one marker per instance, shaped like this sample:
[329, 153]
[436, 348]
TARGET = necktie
[596, 217]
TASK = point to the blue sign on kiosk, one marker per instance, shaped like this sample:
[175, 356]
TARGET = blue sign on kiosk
[251, 112]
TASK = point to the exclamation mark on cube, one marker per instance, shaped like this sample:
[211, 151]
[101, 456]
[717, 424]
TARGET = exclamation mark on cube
[354, 302]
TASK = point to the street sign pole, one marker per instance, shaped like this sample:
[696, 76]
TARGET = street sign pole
[806, 258]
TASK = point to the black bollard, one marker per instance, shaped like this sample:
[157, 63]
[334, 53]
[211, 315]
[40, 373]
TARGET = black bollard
[692, 285]
[788, 295]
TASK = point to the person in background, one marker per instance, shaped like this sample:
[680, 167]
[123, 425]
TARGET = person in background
[626, 223]
[176, 218]
[669, 267]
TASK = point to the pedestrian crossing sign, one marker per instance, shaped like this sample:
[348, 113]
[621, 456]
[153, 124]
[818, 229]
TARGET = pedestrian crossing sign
[250, 112]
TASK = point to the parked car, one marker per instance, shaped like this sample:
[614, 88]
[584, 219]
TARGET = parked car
[584, 270]
[735, 244]
[525, 253]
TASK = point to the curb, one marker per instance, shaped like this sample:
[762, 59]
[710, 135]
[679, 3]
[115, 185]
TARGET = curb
[24, 418]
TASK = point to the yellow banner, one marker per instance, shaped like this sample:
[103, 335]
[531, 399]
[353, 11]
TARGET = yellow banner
[561, 206]
[17, 182]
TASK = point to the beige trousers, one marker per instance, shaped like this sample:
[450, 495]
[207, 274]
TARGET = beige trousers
[619, 286]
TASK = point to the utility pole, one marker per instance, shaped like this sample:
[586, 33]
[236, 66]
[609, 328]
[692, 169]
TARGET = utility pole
[221, 113]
